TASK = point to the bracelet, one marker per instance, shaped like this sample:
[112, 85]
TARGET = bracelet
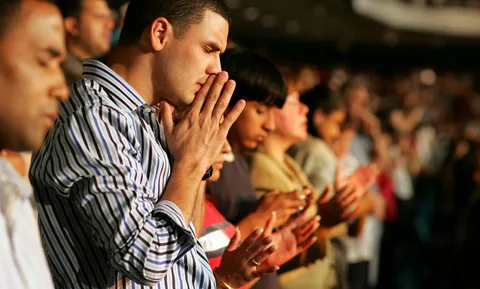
[223, 283]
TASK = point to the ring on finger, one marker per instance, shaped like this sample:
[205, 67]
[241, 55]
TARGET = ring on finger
[255, 262]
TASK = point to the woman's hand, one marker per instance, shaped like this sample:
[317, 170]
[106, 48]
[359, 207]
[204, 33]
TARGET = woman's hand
[292, 239]
[242, 264]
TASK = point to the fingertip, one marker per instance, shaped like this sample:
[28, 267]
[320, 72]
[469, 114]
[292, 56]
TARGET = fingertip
[224, 74]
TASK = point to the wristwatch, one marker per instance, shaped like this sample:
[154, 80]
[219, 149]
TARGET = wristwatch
[208, 174]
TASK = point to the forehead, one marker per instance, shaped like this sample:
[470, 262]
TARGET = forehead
[41, 25]
[213, 28]
[95, 5]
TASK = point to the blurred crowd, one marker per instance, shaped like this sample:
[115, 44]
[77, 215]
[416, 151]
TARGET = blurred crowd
[322, 177]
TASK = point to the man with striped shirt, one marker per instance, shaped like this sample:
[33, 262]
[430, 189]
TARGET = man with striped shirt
[117, 191]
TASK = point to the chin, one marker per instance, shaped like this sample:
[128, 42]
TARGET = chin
[251, 145]
[302, 137]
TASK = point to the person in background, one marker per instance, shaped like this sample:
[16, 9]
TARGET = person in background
[261, 85]
[363, 251]
[318, 159]
[89, 25]
[120, 17]
[272, 168]
[119, 193]
[219, 239]
[30, 73]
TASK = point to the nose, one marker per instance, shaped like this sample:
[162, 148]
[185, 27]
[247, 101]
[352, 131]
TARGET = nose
[59, 89]
[214, 66]
[269, 124]
[303, 108]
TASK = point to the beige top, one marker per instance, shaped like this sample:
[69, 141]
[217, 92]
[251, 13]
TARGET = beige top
[268, 174]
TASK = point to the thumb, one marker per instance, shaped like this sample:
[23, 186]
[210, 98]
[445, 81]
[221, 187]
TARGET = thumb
[274, 192]
[235, 240]
[167, 118]
[326, 194]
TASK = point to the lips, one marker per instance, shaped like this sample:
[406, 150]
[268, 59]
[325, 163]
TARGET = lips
[218, 165]
[199, 86]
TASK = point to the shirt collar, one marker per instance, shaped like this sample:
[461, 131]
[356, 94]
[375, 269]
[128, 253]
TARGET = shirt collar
[118, 89]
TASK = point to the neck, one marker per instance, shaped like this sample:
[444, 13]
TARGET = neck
[135, 68]
[276, 146]
[235, 148]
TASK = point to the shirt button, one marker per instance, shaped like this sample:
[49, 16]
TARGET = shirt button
[148, 110]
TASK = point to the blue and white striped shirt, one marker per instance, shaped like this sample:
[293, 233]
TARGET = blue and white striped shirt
[98, 182]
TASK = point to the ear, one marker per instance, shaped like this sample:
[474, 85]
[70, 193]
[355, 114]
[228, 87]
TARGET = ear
[160, 31]
[71, 26]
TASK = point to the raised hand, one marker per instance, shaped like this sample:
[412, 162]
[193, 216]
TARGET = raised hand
[197, 137]
[292, 239]
[285, 204]
[351, 189]
[241, 265]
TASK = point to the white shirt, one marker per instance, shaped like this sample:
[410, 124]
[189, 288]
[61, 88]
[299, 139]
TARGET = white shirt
[22, 260]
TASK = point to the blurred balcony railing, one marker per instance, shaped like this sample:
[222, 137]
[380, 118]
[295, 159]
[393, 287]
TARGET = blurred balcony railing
[447, 17]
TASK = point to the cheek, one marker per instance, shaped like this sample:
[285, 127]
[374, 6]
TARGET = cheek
[246, 124]
[283, 124]
[196, 59]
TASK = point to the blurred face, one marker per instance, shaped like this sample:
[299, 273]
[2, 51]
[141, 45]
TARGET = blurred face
[253, 125]
[92, 30]
[329, 128]
[186, 61]
[219, 160]
[358, 102]
[291, 120]
[411, 99]
[31, 80]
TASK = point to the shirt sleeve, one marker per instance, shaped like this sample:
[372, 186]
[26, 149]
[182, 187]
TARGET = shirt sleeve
[96, 162]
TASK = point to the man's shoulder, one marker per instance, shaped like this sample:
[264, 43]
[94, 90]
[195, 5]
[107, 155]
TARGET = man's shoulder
[87, 97]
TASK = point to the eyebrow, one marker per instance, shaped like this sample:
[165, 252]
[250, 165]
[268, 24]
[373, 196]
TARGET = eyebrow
[215, 47]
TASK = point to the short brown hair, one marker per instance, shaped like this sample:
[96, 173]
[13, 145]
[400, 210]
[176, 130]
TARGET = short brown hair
[181, 14]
